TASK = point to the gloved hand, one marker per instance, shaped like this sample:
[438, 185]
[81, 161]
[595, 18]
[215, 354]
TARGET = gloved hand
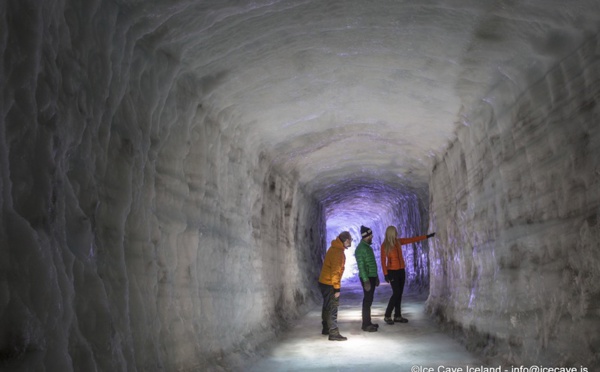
[377, 282]
[387, 278]
[367, 285]
[430, 235]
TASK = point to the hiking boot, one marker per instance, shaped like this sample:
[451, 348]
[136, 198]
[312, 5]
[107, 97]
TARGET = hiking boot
[370, 328]
[388, 320]
[400, 319]
[335, 335]
[325, 331]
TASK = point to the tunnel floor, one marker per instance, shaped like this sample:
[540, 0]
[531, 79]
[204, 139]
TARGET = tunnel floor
[396, 347]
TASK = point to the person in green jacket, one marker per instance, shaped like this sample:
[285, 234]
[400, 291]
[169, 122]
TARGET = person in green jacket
[367, 271]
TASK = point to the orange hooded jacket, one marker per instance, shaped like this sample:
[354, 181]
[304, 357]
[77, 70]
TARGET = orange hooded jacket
[333, 265]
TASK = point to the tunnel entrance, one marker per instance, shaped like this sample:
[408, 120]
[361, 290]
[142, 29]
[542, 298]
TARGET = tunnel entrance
[377, 207]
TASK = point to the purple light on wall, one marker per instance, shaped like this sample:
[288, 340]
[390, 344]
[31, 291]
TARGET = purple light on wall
[378, 207]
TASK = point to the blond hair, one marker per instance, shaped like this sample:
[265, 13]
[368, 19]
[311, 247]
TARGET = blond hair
[390, 239]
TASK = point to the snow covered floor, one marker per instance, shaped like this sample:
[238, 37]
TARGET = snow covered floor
[395, 347]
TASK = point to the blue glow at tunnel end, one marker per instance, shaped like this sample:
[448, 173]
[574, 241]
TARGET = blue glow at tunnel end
[376, 212]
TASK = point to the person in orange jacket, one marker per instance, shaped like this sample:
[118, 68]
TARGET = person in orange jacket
[330, 283]
[393, 266]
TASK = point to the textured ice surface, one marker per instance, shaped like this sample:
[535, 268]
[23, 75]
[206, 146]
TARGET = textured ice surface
[167, 168]
[395, 347]
[516, 203]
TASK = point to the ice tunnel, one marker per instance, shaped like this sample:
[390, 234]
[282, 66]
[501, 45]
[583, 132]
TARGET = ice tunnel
[378, 206]
[172, 172]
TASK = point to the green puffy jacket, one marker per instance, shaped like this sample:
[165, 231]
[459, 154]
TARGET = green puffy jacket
[365, 260]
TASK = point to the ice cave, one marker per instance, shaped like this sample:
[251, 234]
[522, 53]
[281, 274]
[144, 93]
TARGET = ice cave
[173, 172]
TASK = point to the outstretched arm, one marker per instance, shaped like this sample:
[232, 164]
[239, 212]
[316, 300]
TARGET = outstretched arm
[415, 239]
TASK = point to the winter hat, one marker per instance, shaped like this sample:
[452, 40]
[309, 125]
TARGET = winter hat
[365, 231]
[345, 235]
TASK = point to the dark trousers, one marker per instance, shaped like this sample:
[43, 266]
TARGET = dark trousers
[367, 302]
[330, 307]
[397, 279]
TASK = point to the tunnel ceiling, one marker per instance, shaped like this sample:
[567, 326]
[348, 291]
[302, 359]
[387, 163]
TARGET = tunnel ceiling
[344, 92]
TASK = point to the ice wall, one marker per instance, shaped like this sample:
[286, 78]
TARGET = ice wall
[139, 229]
[515, 202]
